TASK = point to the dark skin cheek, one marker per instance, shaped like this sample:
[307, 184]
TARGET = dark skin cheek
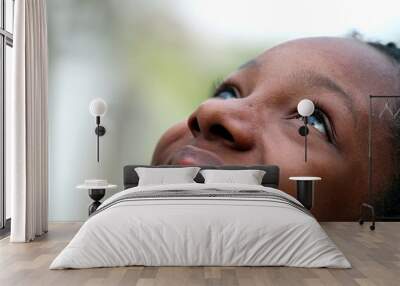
[336, 184]
[333, 194]
[344, 185]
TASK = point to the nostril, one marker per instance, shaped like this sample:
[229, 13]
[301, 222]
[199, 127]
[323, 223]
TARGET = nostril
[194, 124]
[221, 131]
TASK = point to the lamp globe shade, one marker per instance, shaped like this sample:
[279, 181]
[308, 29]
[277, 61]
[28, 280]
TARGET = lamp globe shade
[305, 107]
[98, 107]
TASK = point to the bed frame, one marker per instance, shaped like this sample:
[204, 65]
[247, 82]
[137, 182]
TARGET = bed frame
[270, 179]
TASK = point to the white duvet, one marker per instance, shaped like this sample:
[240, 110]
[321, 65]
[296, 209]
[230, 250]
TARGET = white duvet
[200, 231]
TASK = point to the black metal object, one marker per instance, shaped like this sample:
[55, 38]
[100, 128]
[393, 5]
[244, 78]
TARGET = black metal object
[369, 204]
[372, 210]
[303, 131]
[99, 131]
[305, 193]
[96, 195]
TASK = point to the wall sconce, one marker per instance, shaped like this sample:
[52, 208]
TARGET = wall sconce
[98, 108]
[305, 108]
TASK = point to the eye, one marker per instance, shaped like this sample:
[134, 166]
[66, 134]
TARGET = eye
[321, 123]
[317, 120]
[226, 92]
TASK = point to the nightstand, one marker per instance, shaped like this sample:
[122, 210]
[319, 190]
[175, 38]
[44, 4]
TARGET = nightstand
[305, 190]
[96, 192]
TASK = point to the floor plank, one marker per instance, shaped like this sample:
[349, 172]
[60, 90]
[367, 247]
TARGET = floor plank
[375, 257]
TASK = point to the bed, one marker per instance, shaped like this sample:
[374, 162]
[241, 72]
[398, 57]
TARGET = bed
[201, 224]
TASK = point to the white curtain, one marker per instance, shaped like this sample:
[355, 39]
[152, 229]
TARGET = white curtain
[27, 159]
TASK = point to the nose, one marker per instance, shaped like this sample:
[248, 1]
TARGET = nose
[227, 121]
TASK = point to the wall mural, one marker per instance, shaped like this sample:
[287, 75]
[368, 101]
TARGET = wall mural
[154, 63]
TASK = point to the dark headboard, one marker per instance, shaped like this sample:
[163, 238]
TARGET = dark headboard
[270, 179]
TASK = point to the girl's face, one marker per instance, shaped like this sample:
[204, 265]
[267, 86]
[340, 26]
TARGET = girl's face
[252, 119]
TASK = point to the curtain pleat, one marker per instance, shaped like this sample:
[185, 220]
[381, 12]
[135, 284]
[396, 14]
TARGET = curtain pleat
[30, 189]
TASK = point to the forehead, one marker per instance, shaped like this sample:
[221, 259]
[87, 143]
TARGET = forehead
[354, 64]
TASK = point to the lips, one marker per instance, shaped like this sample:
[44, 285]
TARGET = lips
[191, 155]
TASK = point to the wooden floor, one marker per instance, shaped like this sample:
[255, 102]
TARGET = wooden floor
[375, 257]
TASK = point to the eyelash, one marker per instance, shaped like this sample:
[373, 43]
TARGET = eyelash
[219, 86]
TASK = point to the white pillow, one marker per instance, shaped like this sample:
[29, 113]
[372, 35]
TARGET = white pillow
[162, 176]
[248, 177]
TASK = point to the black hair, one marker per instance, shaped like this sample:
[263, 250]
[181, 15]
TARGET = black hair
[390, 50]
[388, 202]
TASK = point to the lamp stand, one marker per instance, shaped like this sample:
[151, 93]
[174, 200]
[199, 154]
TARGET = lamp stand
[305, 138]
[303, 131]
[100, 131]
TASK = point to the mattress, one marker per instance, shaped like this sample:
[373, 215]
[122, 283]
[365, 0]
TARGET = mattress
[201, 225]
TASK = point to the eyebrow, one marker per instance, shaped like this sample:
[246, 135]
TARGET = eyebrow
[313, 79]
[249, 64]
